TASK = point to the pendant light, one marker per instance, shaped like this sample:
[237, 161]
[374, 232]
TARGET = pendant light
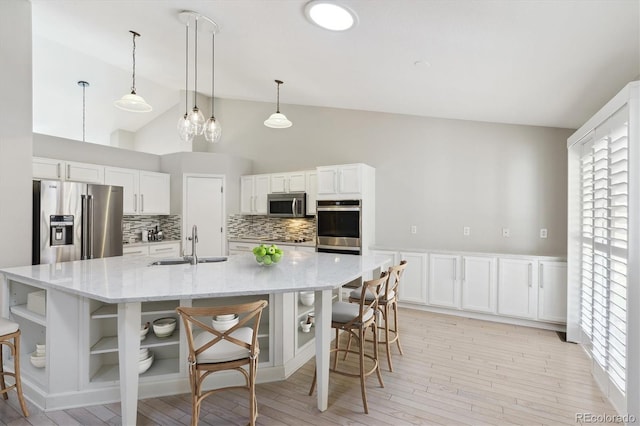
[196, 118]
[278, 120]
[212, 128]
[132, 101]
[84, 85]
[184, 125]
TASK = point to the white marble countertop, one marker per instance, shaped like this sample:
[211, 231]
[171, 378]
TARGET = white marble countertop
[130, 279]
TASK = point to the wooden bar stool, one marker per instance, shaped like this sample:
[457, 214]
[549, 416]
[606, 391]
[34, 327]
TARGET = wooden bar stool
[10, 336]
[355, 319]
[388, 304]
[212, 350]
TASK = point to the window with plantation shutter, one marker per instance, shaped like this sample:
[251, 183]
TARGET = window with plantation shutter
[604, 245]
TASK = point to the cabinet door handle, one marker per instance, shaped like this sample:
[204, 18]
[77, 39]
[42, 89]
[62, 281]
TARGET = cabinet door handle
[455, 267]
[464, 266]
[530, 273]
[68, 171]
[58, 170]
[540, 276]
[141, 203]
[163, 249]
[135, 202]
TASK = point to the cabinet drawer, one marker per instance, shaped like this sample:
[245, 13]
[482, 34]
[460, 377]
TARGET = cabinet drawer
[135, 251]
[165, 250]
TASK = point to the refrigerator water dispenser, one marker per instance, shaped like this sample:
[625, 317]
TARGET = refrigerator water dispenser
[61, 230]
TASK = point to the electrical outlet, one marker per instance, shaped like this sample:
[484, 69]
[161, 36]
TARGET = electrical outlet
[506, 232]
[543, 232]
[466, 231]
[414, 229]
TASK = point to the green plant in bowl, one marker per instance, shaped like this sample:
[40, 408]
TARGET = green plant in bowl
[267, 254]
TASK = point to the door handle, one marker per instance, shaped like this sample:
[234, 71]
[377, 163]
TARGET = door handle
[135, 202]
[141, 203]
[84, 226]
[90, 215]
[464, 273]
[540, 276]
[455, 267]
[530, 273]
[68, 171]
[293, 206]
[58, 170]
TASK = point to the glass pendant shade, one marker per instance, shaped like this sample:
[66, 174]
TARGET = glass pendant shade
[184, 129]
[133, 103]
[277, 121]
[197, 120]
[212, 130]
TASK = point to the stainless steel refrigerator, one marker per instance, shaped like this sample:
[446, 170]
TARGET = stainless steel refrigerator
[75, 221]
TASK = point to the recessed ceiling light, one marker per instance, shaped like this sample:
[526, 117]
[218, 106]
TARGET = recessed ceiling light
[330, 15]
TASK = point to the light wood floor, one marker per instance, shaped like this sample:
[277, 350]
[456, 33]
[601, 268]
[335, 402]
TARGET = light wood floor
[455, 371]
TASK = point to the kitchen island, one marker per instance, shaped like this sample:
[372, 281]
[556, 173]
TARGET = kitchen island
[94, 309]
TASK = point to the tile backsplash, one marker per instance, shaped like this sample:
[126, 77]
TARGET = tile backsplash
[276, 228]
[132, 226]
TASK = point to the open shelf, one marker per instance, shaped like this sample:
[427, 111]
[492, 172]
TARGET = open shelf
[111, 372]
[164, 307]
[23, 312]
[110, 343]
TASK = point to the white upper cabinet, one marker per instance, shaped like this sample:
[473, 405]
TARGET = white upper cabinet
[253, 193]
[143, 192]
[49, 168]
[288, 182]
[312, 191]
[348, 181]
[517, 293]
[154, 193]
[552, 291]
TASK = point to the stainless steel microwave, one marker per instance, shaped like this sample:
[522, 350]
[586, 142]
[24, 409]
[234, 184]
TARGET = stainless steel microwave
[293, 204]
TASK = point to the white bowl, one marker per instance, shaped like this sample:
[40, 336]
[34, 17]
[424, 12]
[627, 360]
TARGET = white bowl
[163, 327]
[143, 365]
[307, 298]
[144, 329]
[306, 327]
[226, 317]
[41, 348]
[224, 325]
[38, 361]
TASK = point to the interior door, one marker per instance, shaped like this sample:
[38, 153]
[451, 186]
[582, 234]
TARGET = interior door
[204, 207]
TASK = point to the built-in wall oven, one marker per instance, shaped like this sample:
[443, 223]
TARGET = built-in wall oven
[339, 226]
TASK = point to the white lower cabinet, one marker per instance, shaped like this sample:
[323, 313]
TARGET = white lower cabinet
[444, 288]
[167, 249]
[552, 291]
[413, 286]
[479, 284]
[517, 294]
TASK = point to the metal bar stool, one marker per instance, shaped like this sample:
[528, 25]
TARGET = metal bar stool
[10, 336]
[388, 304]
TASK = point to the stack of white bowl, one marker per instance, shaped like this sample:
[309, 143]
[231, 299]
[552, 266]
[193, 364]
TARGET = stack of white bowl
[224, 322]
[145, 359]
[144, 329]
[39, 358]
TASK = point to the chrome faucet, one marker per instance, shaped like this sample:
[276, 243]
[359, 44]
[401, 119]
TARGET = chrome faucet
[193, 259]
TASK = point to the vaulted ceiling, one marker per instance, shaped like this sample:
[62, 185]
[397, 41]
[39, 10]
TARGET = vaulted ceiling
[536, 62]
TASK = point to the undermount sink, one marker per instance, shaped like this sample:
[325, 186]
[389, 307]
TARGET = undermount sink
[183, 261]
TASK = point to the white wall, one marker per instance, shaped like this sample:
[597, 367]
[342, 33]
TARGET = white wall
[437, 174]
[15, 132]
[72, 150]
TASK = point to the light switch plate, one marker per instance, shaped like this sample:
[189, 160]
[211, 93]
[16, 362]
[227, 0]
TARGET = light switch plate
[466, 231]
[543, 232]
[506, 232]
[414, 229]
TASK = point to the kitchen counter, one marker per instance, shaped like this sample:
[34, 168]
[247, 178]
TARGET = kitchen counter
[129, 281]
